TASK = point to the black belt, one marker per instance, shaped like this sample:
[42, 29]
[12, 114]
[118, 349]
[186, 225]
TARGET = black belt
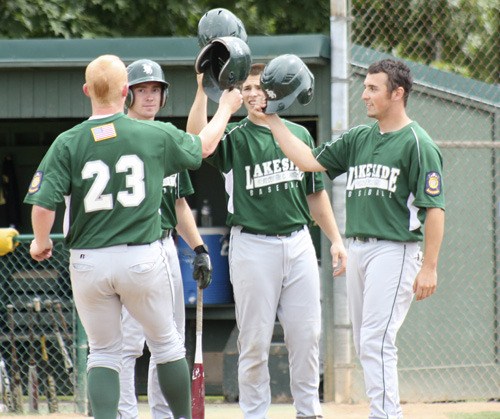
[248, 231]
[165, 234]
[366, 239]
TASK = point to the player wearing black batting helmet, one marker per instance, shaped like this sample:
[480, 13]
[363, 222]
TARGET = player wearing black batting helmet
[142, 71]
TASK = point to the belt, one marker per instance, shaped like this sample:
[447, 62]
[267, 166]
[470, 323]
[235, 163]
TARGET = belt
[165, 234]
[246, 230]
[366, 239]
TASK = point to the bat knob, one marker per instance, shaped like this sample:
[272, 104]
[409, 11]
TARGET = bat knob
[48, 304]
[36, 303]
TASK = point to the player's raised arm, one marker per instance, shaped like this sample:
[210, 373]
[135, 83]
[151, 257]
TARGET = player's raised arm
[197, 118]
[294, 149]
[211, 134]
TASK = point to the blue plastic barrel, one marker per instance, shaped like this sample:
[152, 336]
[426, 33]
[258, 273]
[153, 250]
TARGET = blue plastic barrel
[220, 291]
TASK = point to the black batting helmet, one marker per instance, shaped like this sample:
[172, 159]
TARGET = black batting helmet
[217, 23]
[284, 79]
[224, 62]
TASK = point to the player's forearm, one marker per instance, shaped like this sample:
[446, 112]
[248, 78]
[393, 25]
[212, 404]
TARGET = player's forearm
[197, 118]
[212, 133]
[186, 224]
[294, 149]
[322, 213]
[433, 236]
[42, 220]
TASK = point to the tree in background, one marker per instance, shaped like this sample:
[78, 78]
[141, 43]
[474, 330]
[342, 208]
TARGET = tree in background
[455, 35]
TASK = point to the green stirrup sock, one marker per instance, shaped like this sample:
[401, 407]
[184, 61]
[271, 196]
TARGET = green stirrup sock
[104, 392]
[175, 384]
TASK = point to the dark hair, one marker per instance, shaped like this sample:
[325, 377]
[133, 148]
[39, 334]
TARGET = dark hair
[255, 70]
[398, 75]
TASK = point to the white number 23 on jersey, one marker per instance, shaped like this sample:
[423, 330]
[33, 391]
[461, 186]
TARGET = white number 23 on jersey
[95, 200]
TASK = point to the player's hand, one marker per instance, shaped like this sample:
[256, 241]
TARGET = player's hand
[339, 258]
[425, 283]
[258, 108]
[232, 99]
[202, 267]
[41, 251]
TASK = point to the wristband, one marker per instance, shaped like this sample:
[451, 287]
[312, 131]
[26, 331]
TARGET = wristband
[202, 248]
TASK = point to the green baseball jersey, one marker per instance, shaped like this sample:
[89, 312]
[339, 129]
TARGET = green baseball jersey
[109, 172]
[391, 179]
[265, 191]
[174, 187]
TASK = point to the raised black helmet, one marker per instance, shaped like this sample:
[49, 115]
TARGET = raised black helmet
[224, 63]
[217, 23]
[284, 79]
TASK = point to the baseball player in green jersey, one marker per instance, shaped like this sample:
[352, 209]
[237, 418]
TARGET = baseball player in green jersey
[273, 264]
[148, 92]
[394, 200]
[109, 171]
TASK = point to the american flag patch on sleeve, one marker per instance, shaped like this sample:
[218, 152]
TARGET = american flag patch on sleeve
[104, 132]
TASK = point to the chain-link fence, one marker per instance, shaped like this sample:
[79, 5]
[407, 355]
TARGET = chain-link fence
[38, 331]
[449, 345]
[461, 36]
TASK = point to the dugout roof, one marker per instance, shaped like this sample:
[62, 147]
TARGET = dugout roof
[175, 51]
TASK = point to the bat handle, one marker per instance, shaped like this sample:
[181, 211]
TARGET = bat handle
[199, 311]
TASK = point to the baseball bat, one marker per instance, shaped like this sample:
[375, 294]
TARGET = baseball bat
[198, 380]
[7, 399]
[64, 325]
[17, 390]
[68, 363]
[33, 395]
[50, 382]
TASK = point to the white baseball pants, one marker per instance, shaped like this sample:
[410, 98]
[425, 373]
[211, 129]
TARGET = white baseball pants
[380, 276]
[133, 345]
[276, 276]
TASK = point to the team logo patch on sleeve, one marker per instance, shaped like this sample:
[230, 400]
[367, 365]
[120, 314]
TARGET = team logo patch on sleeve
[433, 183]
[104, 132]
[35, 182]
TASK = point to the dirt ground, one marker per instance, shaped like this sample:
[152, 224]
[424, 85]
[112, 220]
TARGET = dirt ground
[491, 410]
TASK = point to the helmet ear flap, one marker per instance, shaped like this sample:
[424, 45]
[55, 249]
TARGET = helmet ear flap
[129, 100]
[164, 97]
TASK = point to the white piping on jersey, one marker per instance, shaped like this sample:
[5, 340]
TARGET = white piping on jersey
[414, 221]
[334, 140]
[229, 187]
[413, 210]
[66, 218]
[417, 140]
[232, 129]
